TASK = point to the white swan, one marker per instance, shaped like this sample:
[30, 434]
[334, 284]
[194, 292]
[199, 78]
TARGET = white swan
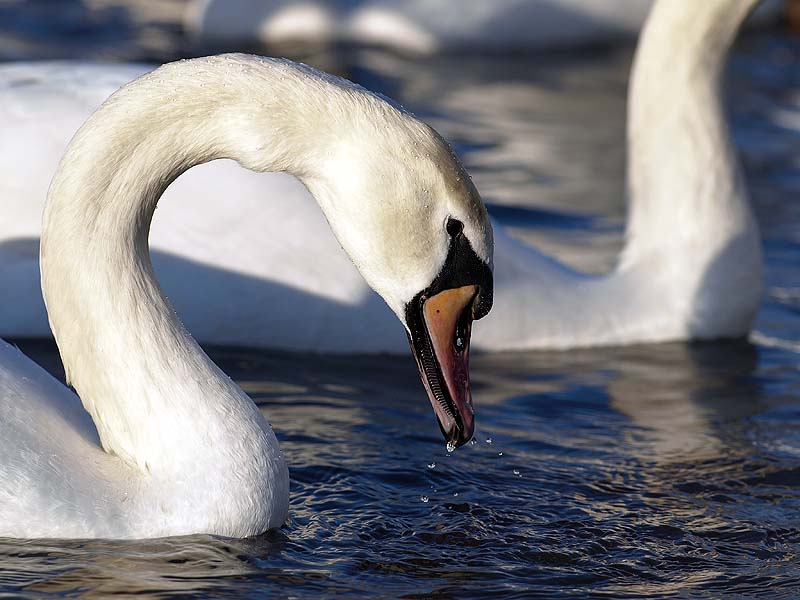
[425, 25]
[691, 267]
[183, 448]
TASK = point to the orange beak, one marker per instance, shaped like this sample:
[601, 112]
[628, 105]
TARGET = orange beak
[443, 360]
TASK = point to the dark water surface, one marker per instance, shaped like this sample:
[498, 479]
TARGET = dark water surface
[650, 471]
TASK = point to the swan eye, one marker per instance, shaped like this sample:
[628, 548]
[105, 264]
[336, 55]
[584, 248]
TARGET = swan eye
[454, 227]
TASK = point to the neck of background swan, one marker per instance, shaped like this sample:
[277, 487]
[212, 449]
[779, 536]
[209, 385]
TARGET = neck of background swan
[685, 185]
[157, 400]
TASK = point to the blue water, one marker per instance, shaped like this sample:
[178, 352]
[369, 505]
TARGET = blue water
[651, 471]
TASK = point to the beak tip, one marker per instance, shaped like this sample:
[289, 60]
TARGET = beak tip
[457, 435]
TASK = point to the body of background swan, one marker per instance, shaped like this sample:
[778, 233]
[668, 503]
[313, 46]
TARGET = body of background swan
[691, 267]
[426, 25]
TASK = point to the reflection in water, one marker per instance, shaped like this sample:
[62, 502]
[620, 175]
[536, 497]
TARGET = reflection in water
[683, 411]
[196, 565]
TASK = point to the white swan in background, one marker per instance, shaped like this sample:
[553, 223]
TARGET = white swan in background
[184, 450]
[425, 25]
[691, 267]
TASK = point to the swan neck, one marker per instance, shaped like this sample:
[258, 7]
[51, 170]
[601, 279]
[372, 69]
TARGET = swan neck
[157, 400]
[679, 63]
[685, 40]
[682, 166]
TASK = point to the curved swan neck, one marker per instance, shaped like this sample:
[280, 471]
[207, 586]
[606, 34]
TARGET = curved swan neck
[682, 167]
[156, 398]
[686, 40]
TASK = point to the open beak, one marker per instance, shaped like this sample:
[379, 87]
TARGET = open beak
[440, 344]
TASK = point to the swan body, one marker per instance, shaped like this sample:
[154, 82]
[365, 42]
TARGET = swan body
[56, 481]
[164, 443]
[423, 25]
[691, 267]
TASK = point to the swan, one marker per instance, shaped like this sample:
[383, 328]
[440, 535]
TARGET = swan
[425, 26]
[690, 269]
[167, 444]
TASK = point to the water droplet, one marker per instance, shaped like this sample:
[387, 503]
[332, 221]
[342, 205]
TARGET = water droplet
[488, 440]
[516, 472]
[473, 441]
[459, 342]
[455, 493]
[432, 465]
[423, 498]
[450, 446]
[499, 454]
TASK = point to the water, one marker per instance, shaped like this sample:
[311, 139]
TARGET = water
[652, 471]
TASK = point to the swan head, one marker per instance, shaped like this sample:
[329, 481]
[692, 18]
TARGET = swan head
[405, 210]
[399, 202]
[438, 322]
